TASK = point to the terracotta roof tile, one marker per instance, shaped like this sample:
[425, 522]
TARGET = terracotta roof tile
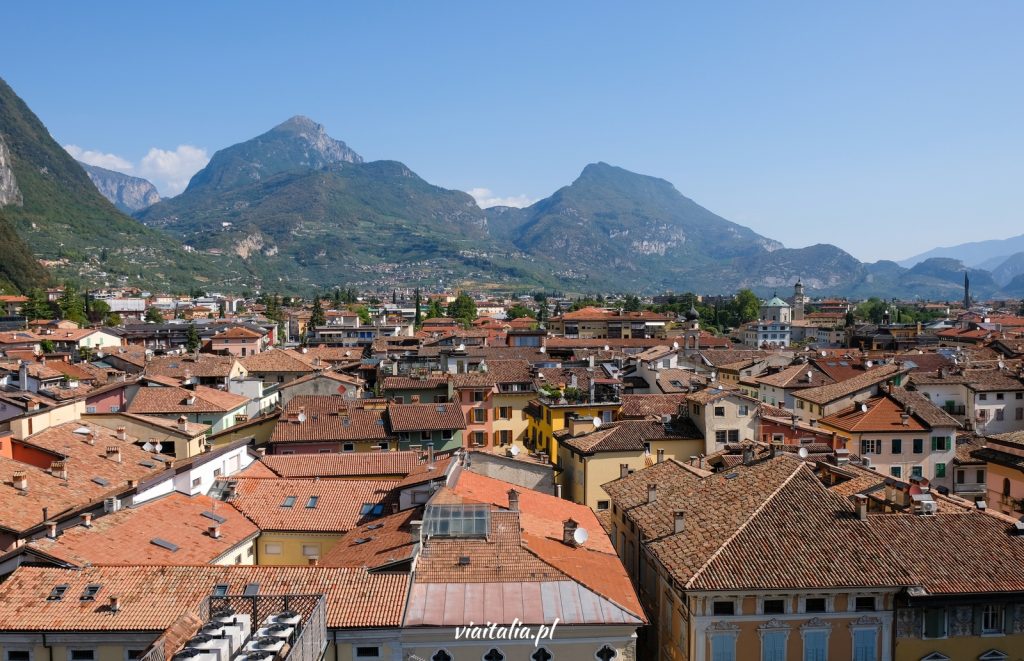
[418, 417]
[198, 399]
[834, 391]
[336, 508]
[350, 464]
[329, 418]
[385, 541]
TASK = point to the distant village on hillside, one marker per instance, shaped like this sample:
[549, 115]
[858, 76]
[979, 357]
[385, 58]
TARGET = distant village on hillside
[365, 475]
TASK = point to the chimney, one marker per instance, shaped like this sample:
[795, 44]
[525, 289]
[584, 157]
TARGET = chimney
[395, 508]
[678, 521]
[314, 561]
[513, 500]
[114, 453]
[569, 531]
[748, 456]
[661, 455]
[415, 399]
[261, 452]
[842, 456]
[623, 470]
[121, 435]
[652, 492]
[693, 460]
[905, 418]
[558, 490]
[861, 503]
[23, 375]
[214, 531]
[21, 480]
[169, 463]
[59, 469]
[430, 453]
[115, 604]
[182, 423]
[51, 529]
[190, 400]
[90, 438]
[133, 484]
[87, 519]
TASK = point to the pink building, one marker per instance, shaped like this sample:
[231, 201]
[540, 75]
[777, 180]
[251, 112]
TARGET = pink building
[237, 341]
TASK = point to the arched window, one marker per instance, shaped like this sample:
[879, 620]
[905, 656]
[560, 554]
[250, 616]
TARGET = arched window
[1006, 486]
[541, 655]
[441, 655]
[494, 655]
[606, 654]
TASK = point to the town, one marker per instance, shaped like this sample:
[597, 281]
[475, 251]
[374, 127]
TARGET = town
[362, 475]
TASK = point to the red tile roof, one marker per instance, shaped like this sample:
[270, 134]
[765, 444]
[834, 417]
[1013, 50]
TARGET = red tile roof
[329, 418]
[337, 508]
[198, 399]
[421, 417]
[350, 464]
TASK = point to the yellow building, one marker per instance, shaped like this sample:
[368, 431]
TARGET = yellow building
[567, 394]
[591, 456]
[1003, 455]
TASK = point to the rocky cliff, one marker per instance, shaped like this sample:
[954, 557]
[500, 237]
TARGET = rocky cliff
[128, 193]
[9, 191]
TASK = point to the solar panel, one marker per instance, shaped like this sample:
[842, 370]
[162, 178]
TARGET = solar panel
[214, 517]
[164, 544]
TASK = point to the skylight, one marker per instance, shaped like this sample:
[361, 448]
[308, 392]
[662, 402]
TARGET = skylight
[251, 589]
[214, 517]
[90, 592]
[100, 481]
[372, 509]
[457, 520]
[289, 501]
[220, 589]
[57, 593]
[164, 544]
[311, 503]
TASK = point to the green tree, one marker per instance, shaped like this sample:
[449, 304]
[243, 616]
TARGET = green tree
[98, 311]
[222, 309]
[746, 306]
[154, 315]
[72, 305]
[364, 314]
[113, 319]
[517, 311]
[872, 309]
[418, 320]
[38, 306]
[632, 303]
[47, 346]
[192, 339]
[435, 310]
[462, 308]
[317, 316]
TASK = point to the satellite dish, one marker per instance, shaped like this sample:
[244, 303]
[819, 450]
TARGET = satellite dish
[810, 375]
[580, 536]
[158, 447]
[543, 349]
[514, 451]
[461, 347]
[1002, 365]
[597, 422]
[607, 348]
[803, 453]
[302, 417]
[147, 446]
[675, 345]
[863, 408]
[824, 354]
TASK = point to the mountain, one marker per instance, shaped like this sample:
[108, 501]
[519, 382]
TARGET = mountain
[978, 254]
[1008, 269]
[296, 144]
[129, 194]
[62, 218]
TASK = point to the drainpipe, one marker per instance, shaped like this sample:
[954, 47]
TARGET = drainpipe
[49, 648]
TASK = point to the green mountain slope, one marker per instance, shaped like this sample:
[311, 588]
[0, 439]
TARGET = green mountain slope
[64, 218]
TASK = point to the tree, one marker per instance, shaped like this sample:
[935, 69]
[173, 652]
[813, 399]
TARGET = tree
[47, 346]
[873, 309]
[222, 309]
[462, 308]
[154, 315]
[317, 316]
[38, 306]
[850, 320]
[517, 311]
[435, 310]
[192, 339]
[98, 311]
[746, 306]
[72, 305]
[113, 319]
[364, 314]
[418, 321]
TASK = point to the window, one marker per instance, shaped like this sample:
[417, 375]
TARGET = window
[90, 592]
[723, 647]
[505, 437]
[865, 645]
[720, 436]
[606, 416]
[744, 409]
[916, 471]
[82, 655]
[870, 446]
[602, 504]
[719, 411]
[734, 435]
[999, 414]
[980, 474]
[289, 501]
[1020, 413]
[90, 409]
[999, 396]
[19, 655]
[773, 645]
[723, 607]
[542, 654]
[494, 655]
[992, 619]
[441, 655]
[425, 436]
[366, 652]
[774, 606]
[815, 645]
[272, 548]
[1020, 395]
[311, 550]
[197, 482]
[897, 446]
[918, 445]
[398, 400]
[896, 471]
[935, 623]
[864, 604]
[941, 443]
[311, 503]
[447, 435]
[940, 470]
[504, 412]
[479, 415]
[983, 396]
[815, 605]
[478, 395]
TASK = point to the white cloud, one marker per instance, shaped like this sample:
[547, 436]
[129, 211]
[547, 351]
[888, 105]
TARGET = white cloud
[485, 198]
[100, 159]
[170, 171]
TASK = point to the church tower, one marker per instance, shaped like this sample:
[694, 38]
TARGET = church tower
[798, 300]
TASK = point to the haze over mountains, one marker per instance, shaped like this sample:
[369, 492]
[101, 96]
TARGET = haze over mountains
[295, 209]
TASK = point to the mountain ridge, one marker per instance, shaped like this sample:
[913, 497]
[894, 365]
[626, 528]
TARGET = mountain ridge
[128, 193]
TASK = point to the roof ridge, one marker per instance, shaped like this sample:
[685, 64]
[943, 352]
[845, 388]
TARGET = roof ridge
[743, 526]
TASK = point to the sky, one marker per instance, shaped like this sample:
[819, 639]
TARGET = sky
[886, 128]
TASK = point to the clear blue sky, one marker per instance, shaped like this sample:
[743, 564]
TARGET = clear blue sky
[884, 127]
